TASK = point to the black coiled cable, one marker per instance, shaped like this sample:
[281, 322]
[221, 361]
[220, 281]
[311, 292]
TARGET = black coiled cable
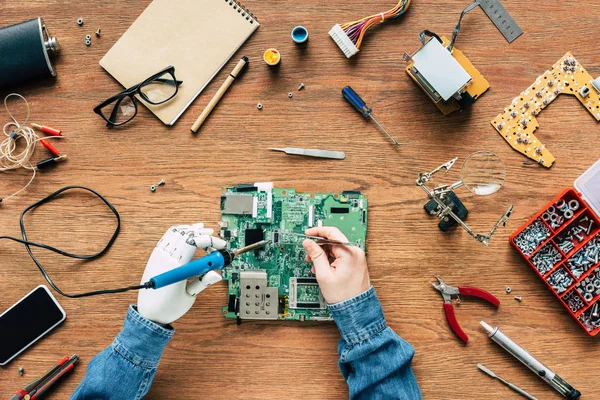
[28, 244]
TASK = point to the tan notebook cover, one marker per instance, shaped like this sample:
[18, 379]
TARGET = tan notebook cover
[198, 37]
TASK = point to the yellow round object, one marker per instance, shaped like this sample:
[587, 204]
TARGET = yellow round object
[272, 56]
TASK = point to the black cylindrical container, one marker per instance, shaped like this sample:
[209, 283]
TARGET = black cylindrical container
[25, 52]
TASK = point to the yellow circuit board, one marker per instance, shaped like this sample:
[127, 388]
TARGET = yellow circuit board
[518, 121]
[478, 85]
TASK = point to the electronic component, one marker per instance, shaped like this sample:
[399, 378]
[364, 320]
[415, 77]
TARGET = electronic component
[257, 300]
[305, 293]
[279, 269]
[519, 120]
[253, 236]
[349, 36]
[596, 84]
[446, 75]
[237, 204]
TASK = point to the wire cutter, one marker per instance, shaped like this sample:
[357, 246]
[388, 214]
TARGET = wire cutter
[37, 388]
[449, 293]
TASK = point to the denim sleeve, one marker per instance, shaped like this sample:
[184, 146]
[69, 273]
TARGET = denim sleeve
[125, 369]
[374, 360]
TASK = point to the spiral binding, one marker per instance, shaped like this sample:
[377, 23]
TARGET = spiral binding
[242, 10]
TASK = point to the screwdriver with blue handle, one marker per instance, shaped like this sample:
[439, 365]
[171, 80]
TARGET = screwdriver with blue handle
[359, 105]
[216, 260]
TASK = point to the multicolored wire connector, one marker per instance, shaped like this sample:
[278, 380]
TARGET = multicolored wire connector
[349, 36]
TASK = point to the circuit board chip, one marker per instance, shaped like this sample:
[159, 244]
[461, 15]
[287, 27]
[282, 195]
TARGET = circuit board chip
[276, 282]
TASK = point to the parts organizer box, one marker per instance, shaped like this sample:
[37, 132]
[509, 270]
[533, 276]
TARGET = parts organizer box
[562, 245]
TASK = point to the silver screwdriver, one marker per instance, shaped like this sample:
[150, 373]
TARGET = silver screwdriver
[510, 385]
[359, 105]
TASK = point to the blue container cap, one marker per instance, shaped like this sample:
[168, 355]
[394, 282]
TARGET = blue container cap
[299, 34]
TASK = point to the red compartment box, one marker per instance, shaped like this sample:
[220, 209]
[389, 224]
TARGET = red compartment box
[561, 243]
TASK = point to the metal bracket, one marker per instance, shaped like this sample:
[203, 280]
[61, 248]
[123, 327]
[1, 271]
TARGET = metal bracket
[257, 300]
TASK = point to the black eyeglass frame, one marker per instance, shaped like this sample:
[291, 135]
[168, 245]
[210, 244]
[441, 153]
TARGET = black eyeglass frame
[131, 93]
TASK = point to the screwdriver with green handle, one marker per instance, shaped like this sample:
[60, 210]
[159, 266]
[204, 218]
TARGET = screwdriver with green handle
[359, 105]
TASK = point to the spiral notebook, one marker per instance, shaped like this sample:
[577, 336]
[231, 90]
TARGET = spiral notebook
[198, 37]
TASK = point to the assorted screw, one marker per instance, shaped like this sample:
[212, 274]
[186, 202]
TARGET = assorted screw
[21, 371]
[567, 209]
[560, 280]
[590, 286]
[518, 298]
[575, 234]
[573, 301]
[98, 33]
[532, 236]
[160, 183]
[545, 259]
[563, 245]
[301, 86]
[591, 318]
[585, 258]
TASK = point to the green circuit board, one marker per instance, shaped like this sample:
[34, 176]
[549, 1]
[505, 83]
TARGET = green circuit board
[275, 282]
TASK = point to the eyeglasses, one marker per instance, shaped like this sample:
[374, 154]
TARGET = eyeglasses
[122, 108]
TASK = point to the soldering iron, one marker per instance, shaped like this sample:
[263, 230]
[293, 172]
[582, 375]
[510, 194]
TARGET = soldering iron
[216, 260]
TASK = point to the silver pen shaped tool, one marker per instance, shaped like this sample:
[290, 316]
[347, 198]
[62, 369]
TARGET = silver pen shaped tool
[335, 155]
[510, 385]
[558, 383]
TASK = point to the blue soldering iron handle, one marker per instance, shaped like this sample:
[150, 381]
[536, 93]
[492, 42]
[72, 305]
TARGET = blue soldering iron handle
[354, 99]
[200, 266]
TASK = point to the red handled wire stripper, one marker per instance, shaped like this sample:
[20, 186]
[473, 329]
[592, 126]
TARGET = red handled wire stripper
[449, 293]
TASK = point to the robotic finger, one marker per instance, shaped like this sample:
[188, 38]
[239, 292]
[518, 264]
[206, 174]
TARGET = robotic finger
[206, 241]
[198, 285]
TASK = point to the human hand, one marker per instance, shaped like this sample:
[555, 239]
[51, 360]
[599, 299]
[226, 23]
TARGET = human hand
[341, 270]
[176, 248]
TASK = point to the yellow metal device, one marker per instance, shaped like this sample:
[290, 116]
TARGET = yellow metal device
[518, 121]
[474, 84]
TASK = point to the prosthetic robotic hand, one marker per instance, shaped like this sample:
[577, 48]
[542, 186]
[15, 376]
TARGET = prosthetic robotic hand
[176, 248]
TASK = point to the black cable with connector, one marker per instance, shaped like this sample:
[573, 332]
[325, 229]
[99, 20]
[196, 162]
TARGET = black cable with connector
[426, 33]
[457, 28]
[28, 244]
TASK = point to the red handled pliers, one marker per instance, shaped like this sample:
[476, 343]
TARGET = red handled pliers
[450, 292]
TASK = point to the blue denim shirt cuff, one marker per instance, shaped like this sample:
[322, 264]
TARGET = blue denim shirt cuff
[360, 317]
[142, 341]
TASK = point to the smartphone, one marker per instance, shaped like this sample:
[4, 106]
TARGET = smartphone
[29, 320]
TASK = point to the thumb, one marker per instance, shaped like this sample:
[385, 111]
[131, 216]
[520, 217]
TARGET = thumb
[317, 256]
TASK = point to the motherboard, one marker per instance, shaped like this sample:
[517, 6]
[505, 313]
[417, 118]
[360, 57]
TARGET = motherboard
[275, 282]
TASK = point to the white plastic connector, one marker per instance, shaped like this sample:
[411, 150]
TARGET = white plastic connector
[596, 84]
[343, 41]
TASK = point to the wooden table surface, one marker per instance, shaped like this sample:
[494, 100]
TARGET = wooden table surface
[213, 358]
